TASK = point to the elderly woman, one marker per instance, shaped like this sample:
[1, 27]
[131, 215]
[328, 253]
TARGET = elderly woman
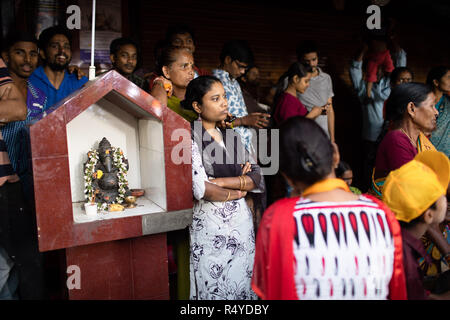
[175, 67]
[410, 108]
[439, 79]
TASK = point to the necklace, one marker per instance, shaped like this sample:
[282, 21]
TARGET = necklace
[411, 140]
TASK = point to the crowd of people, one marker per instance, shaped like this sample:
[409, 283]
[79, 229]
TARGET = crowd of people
[304, 233]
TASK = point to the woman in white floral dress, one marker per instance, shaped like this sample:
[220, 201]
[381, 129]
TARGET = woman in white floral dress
[222, 235]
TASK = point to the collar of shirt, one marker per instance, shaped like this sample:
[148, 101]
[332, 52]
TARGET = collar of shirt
[224, 75]
[40, 74]
[415, 244]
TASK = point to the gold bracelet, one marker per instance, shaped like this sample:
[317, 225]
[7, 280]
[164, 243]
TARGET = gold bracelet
[240, 183]
[228, 197]
[244, 183]
[232, 125]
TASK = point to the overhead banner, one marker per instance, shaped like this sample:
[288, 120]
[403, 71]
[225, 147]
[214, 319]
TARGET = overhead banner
[108, 26]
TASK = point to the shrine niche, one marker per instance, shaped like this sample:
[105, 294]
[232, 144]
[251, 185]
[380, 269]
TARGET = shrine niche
[157, 197]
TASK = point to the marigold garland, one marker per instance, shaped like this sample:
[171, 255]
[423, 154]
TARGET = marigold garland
[90, 174]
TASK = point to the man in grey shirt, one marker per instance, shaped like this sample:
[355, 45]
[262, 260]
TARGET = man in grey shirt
[320, 91]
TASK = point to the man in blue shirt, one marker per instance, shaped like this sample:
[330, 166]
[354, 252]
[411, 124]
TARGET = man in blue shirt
[53, 78]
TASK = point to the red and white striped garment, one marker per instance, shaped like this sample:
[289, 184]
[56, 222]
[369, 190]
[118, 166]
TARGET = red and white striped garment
[329, 250]
[342, 250]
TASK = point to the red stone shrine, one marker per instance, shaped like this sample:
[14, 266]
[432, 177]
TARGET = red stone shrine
[122, 255]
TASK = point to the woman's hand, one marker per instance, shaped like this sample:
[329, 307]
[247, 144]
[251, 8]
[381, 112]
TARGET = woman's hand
[240, 194]
[165, 83]
[224, 124]
[217, 182]
[315, 112]
[246, 168]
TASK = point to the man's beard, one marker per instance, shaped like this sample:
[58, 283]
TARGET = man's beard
[55, 66]
[58, 67]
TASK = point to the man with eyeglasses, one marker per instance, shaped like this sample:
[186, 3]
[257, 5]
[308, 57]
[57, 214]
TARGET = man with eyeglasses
[53, 78]
[235, 58]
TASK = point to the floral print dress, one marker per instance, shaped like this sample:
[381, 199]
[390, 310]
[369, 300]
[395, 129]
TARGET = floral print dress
[222, 245]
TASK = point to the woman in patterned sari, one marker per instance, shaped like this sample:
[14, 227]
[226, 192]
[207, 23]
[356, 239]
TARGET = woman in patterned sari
[410, 108]
[222, 234]
[439, 79]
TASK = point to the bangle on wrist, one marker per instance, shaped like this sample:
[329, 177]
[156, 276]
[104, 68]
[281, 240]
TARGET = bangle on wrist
[244, 183]
[228, 197]
[240, 182]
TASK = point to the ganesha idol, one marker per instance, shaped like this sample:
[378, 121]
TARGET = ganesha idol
[105, 174]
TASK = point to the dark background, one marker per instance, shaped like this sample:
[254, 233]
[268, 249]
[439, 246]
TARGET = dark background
[273, 30]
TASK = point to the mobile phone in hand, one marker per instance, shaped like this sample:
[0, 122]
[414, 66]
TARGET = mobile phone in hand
[230, 119]
[324, 111]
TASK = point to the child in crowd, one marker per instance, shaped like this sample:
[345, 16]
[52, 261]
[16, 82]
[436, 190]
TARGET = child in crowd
[378, 57]
[345, 172]
[416, 193]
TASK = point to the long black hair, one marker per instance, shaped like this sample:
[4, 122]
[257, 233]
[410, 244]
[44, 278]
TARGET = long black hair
[196, 90]
[296, 69]
[436, 73]
[306, 149]
[403, 94]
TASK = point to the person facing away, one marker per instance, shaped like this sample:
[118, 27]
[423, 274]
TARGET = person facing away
[222, 233]
[125, 57]
[320, 91]
[324, 242]
[416, 193]
[295, 80]
[235, 58]
[53, 78]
